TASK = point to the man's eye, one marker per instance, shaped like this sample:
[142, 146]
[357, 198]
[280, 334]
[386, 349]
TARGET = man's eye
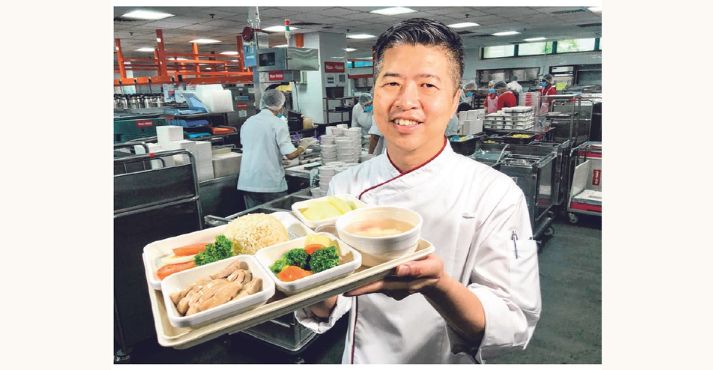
[430, 86]
[391, 84]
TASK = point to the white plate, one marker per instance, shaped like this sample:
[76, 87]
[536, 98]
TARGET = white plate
[154, 251]
[267, 256]
[181, 280]
[327, 221]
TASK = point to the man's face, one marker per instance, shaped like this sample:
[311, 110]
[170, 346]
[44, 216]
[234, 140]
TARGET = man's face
[414, 97]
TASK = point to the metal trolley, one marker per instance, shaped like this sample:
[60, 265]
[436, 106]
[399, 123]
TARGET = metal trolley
[585, 196]
[284, 332]
[151, 202]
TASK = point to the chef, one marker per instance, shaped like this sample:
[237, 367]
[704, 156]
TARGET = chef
[491, 100]
[265, 139]
[546, 88]
[478, 294]
[506, 98]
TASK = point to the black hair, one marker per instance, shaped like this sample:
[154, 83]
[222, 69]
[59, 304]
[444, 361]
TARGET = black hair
[422, 31]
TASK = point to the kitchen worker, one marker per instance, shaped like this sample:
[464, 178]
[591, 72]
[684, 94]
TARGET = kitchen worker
[491, 101]
[466, 97]
[546, 88]
[506, 98]
[265, 139]
[478, 294]
[361, 114]
[515, 87]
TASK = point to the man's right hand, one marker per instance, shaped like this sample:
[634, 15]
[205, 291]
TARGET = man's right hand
[307, 142]
[324, 309]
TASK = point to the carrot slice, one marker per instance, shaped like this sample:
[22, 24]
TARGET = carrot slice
[174, 268]
[292, 273]
[190, 249]
[312, 248]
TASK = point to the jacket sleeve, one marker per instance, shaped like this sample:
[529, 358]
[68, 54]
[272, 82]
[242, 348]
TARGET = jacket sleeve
[282, 136]
[505, 278]
[305, 317]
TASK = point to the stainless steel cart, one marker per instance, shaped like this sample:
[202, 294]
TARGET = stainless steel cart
[585, 196]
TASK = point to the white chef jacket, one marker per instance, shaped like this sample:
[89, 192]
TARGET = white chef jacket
[470, 214]
[514, 86]
[361, 119]
[265, 139]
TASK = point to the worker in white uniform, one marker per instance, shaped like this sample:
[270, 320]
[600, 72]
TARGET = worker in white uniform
[515, 87]
[265, 139]
[361, 114]
[478, 294]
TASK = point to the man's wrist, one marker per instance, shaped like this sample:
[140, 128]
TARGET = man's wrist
[440, 288]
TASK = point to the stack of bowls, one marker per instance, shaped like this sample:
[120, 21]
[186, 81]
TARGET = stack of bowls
[328, 152]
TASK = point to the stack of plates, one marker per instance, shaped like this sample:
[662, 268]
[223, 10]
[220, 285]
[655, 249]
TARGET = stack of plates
[326, 139]
[329, 153]
[327, 171]
[348, 149]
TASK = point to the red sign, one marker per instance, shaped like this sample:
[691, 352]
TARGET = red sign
[276, 76]
[144, 123]
[334, 67]
[596, 177]
[241, 105]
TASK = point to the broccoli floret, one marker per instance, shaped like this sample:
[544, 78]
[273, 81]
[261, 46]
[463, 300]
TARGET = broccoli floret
[297, 257]
[324, 259]
[222, 248]
[278, 265]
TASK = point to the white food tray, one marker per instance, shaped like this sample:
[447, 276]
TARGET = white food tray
[279, 305]
[351, 260]
[181, 280]
[327, 221]
[154, 251]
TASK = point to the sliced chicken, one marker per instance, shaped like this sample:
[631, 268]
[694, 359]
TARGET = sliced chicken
[248, 277]
[224, 293]
[237, 275]
[177, 296]
[227, 270]
[252, 287]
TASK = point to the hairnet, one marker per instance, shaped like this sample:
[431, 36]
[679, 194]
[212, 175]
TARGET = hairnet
[491, 83]
[364, 98]
[469, 86]
[500, 85]
[273, 99]
[547, 77]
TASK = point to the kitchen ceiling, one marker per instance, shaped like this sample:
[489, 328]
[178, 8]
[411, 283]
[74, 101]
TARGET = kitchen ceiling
[225, 23]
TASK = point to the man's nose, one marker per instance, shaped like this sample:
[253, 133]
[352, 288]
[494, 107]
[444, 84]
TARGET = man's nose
[408, 96]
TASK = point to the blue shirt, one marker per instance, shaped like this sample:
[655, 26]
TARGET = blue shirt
[265, 139]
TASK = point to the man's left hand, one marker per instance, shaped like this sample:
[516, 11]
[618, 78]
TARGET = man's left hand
[412, 277]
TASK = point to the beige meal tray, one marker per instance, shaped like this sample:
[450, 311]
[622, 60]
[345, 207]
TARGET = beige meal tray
[278, 305]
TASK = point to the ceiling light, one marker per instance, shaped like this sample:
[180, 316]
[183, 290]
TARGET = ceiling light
[145, 50]
[208, 68]
[349, 49]
[178, 58]
[278, 28]
[146, 15]
[360, 36]
[595, 9]
[337, 57]
[506, 33]
[535, 39]
[229, 53]
[280, 46]
[463, 25]
[392, 11]
[204, 41]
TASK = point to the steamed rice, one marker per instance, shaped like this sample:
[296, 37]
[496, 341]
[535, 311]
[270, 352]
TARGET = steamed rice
[252, 232]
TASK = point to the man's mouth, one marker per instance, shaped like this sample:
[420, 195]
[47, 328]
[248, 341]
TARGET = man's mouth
[405, 122]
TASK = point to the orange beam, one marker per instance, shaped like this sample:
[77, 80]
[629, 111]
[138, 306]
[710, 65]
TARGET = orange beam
[300, 40]
[222, 78]
[161, 54]
[120, 58]
[241, 60]
[195, 57]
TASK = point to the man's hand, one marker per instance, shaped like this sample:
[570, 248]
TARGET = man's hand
[307, 142]
[421, 276]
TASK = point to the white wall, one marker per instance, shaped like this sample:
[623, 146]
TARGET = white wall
[310, 93]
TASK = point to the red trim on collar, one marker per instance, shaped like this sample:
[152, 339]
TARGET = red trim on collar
[407, 172]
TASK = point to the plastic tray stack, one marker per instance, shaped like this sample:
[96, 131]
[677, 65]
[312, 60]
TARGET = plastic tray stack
[516, 118]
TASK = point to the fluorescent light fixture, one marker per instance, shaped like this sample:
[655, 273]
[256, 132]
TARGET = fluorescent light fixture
[146, 15]
[145, 50]
[595, 9]
[280, 46]
[279, 28]
[360, 36]
[178, 58]
[229, 53]
[208, 68]
[204, 41]
[348, 50]
[463, 25]
[535, 39]
[392, 11]
[337, 57]
[506, 33]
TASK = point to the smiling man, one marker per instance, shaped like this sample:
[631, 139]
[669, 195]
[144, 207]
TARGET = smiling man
[478, 294]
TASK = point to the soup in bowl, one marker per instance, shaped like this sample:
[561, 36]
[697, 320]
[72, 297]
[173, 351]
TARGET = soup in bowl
[380, 233]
